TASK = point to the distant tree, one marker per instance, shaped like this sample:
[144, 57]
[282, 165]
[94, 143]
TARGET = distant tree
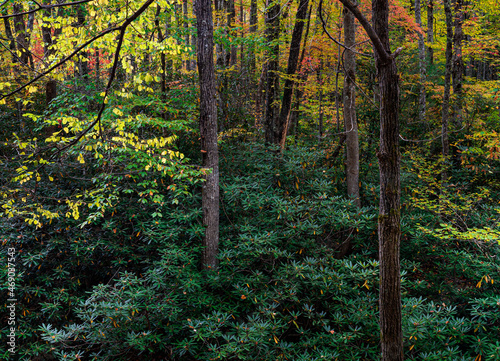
[293, 59]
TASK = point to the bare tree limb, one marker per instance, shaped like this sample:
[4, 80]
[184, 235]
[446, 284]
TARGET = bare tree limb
[43, 7]
[377, 44]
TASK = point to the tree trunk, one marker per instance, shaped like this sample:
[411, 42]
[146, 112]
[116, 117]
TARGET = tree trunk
[430, 30]
[350, 121]
[21, 35]
[293, 59]
[253, 30]
[220, 51]
[295, 112]
[231, 16]
[445, 111]
[208, 133]
[185, 25]
[421, 63]
[458, 63]
[389, 232]
[272, 134]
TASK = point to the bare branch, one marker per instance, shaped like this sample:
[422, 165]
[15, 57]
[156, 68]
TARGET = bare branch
[43, 7]
[122, 29]
[377, 44]
[64, 60]
[323, 23]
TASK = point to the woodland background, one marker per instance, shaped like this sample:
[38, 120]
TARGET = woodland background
[102, 176]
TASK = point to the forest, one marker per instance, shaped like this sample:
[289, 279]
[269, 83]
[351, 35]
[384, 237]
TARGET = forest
[250, 180]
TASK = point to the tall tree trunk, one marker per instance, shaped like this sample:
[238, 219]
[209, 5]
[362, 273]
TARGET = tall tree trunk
[220, 51]
[320, 104]
[21, 34]
[389, 232]
[208, 133]
[185, 23]
[430, 30]
[458, 63]
[421, 63]
[10, 37]
[293, 59]
[253, 30]
[272, 134]
[445, 111]
[350, 121]
[295, 112]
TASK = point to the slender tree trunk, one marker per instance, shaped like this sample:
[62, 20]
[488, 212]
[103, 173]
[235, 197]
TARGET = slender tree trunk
[10, 37]
[458, 63]
[294, 116]
[293, 59]
[21, 35]
[220, 51]
[272, 134]
[350, 121]
[208, 133]
[320, 105]
[253, 30]
[447, 80]
[391, 334]
[242, 34]
[185, 24]
[430, 30]
[421, 63]
[231, 16]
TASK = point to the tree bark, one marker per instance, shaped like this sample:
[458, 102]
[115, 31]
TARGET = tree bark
[293, 58]
[295, 112]
[421, 63]
[430, 30]
[458, 63]
[253, 30]
[21, 34]
[208, 133]
[391, 335]
[272, 134]
[389, 227]
[445, 111]
[350, 121]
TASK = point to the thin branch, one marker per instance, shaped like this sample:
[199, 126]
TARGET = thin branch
[377, 44]
[64, 60]
[43, 7]
[323, 23]
[122, 29]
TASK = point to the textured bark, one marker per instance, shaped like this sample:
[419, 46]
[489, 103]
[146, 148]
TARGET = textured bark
[447, 79]
[421, 64]
[253, 30]
[294, 116]
[21, 34]
[220, 52]
[272, 134]
[350, 121]
[430, 30]
[293, 58]
[458, 63]
[208, 133]
[391, 335]
[10, 36]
